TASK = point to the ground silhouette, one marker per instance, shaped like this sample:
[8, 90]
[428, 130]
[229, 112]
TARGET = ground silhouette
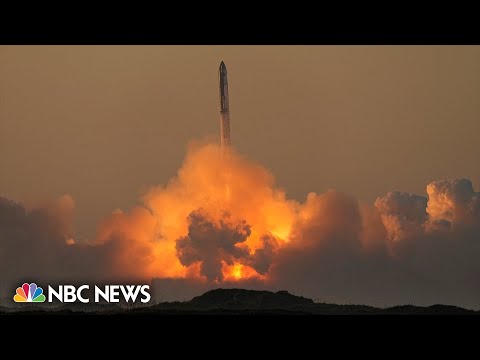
[248, 302]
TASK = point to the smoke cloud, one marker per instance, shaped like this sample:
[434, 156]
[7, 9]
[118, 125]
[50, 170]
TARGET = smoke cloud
[222, 221]
[402, 214]
[38, 242]
[213, 241]
[452, 203]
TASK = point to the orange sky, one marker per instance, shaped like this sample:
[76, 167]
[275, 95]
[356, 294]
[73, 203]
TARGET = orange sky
[101, 123]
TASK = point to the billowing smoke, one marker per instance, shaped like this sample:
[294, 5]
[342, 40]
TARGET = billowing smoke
[212, 242]
[223, 221]
[402, 214]
[403, 260]
[38, 243]
[452, 203]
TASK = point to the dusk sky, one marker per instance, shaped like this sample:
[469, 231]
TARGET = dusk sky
[102, 122]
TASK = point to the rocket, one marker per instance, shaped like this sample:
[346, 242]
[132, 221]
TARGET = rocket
[224, 109]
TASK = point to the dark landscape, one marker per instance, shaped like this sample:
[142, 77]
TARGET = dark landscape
[246, 302]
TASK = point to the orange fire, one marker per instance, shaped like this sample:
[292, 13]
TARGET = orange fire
[226, 190]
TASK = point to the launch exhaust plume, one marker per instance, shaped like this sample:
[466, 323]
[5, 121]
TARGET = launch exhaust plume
[403, 248]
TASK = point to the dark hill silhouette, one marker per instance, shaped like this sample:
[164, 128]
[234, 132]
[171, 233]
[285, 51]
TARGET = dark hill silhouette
[241, 301]
[253, 302]
[248, 299]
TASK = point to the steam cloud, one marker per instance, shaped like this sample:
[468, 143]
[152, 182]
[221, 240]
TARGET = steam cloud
[405, 248]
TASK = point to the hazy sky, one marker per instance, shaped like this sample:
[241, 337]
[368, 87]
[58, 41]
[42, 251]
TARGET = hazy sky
[101, 123]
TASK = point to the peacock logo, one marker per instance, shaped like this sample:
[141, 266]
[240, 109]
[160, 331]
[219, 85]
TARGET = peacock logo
[29, 293]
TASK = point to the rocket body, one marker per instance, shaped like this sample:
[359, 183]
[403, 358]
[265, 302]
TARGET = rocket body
[224, 109]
